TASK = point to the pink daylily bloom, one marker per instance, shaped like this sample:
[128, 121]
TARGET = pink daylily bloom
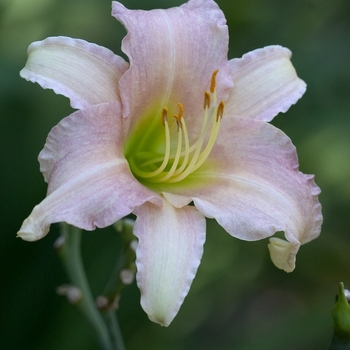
[178, 124]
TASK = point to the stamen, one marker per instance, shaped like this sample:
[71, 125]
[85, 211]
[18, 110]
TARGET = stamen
[220, 110]
[186, 153]
[213, 135]
[179, 116]
[181, 110]
[200, 157]
[206, 100]
[164, 116]
[149, 174]
[176, 160]
[213, 81]
[178, 122]
[176, 166]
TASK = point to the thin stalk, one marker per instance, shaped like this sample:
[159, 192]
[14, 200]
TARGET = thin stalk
[70, 254]
[114, 329]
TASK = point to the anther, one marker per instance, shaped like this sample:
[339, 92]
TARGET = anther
[181, 110]
[178, 117]
[220, 110]
[164, 115]
[213, 81]
[178, 122]
[206, 100]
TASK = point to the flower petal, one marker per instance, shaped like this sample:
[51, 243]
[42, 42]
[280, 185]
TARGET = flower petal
[265, 84]
[283, 253]
[173, 54]
[168, 255]
[86, 73]
[90, 183]
[252, 186]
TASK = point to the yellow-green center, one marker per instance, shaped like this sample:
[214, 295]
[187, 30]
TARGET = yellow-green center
[180, 158]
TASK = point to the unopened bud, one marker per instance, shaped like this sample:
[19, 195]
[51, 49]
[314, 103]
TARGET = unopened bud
[126, 276]
[133, 245]
[72, 293]
[341, 313]
[101, 302]
[119, 226]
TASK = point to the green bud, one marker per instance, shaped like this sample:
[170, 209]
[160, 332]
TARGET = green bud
[341, 313]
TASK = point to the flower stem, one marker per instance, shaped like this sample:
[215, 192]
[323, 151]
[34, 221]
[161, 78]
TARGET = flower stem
[70, 254]
[114, 329]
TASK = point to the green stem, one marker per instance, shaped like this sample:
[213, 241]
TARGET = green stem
[114, 329]
[71, 256]
[126, 261]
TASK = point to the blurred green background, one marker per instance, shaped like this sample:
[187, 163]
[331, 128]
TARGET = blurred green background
[238, 300]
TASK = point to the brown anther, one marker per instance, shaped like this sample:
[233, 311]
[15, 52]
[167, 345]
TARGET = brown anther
[179, 116]
[220, 110]
[178, 122]
[213, 81]
[164, 115]
[206, 100]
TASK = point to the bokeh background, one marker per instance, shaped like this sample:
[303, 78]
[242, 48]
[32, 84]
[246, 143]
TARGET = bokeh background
[238, 300]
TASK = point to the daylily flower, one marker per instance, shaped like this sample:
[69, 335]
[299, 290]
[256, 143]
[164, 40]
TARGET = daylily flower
[177, 125]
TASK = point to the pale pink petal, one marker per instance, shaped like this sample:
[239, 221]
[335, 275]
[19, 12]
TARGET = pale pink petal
[173, 54]
[265, 84]
[176, 200]
[251, 185]
[90, 184]
[168, 255]
[86, 73]
[283, 253]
